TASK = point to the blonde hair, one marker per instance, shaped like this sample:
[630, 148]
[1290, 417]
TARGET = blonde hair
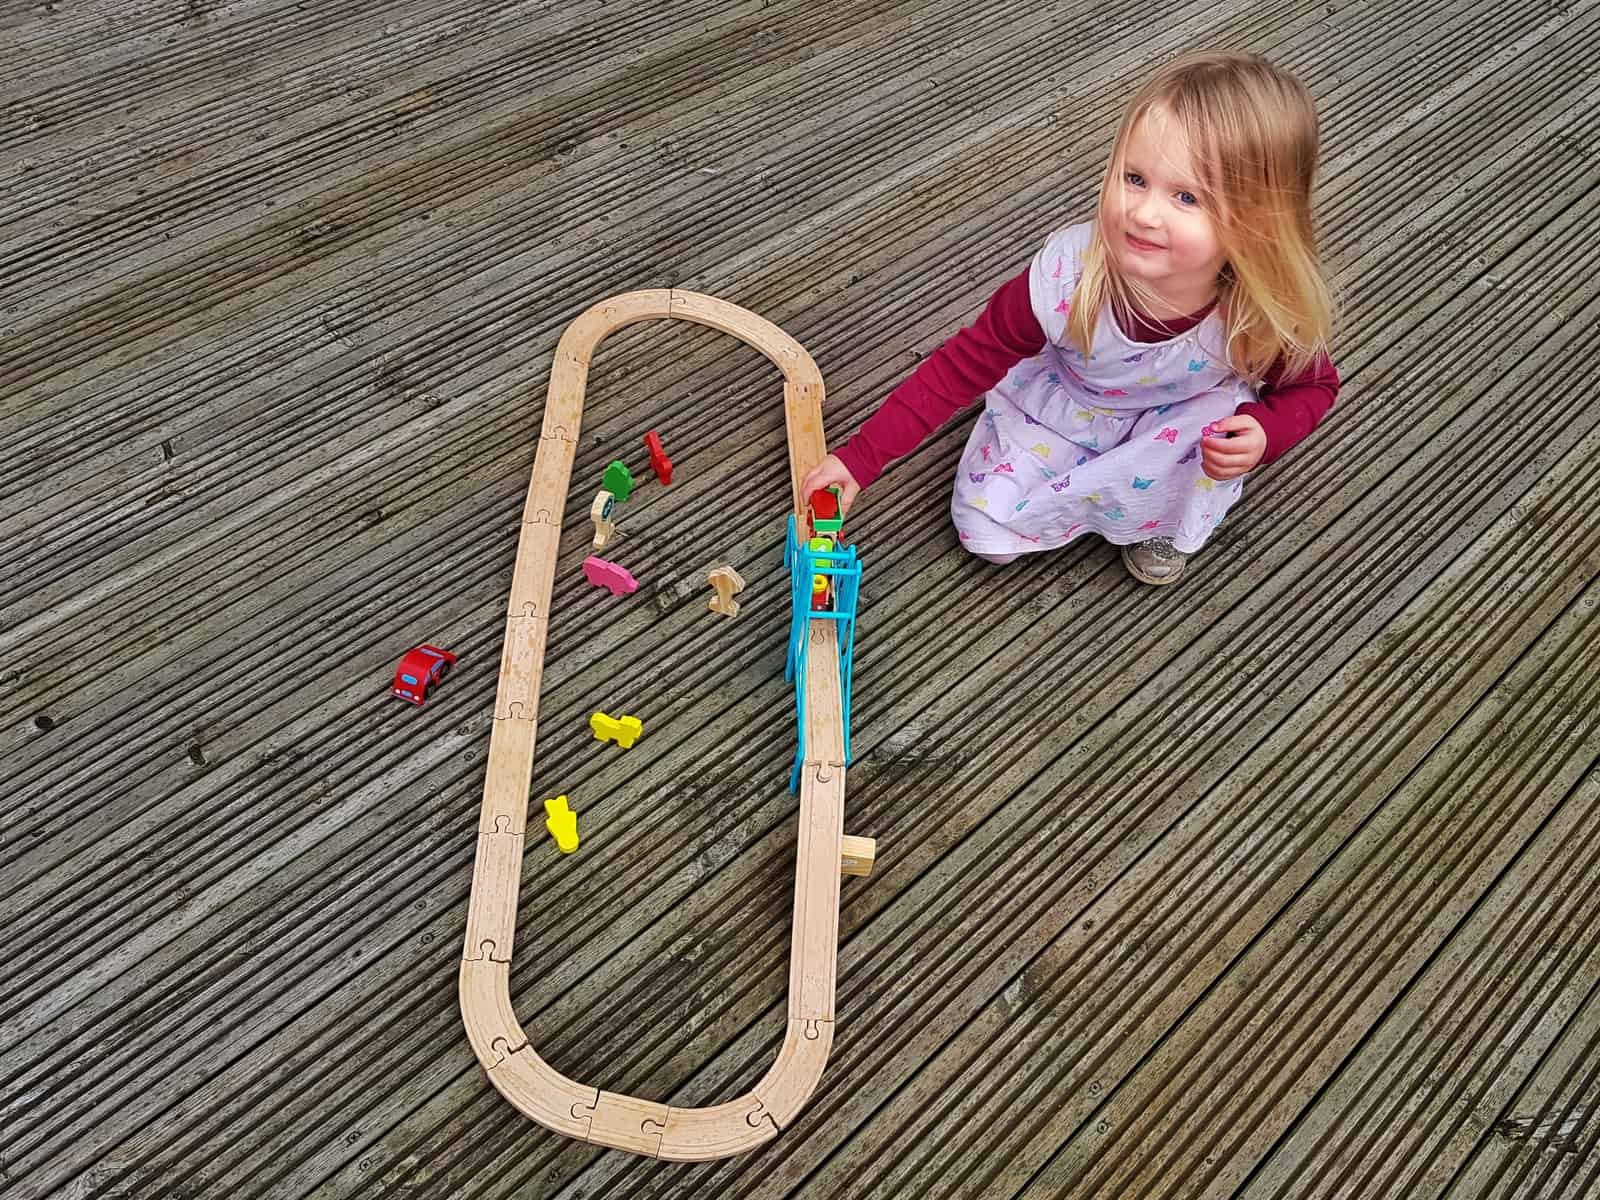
[1252, 136]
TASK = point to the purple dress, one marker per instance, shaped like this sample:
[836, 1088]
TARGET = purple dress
[1108, 444]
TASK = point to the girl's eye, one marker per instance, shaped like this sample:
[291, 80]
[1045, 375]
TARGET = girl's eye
[1188, 198]
[1134, 178]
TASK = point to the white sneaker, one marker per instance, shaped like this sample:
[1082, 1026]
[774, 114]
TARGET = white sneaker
[1156, 562]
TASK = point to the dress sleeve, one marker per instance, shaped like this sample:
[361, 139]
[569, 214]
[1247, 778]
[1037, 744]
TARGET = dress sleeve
[951, 378]
[1290, 408]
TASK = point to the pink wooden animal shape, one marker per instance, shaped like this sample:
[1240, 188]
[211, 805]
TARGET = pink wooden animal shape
[609, 575]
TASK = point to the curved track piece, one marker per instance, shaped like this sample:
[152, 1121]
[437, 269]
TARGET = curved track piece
[512, 1065]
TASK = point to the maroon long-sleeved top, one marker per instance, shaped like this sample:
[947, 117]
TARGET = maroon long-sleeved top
[977, 358]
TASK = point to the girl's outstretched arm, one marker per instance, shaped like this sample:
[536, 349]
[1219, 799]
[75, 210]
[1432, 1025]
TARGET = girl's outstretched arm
[951, 378]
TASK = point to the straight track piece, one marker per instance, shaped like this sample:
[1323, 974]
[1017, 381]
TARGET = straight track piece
[492, 911]
[534, 576]
[802, 415]
[824, 695]
[813, 952]
[521, 664]
[505, 785]
[547, 487]
[563, 405]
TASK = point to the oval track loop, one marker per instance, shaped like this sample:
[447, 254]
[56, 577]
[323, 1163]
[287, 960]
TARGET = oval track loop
[513, 1066]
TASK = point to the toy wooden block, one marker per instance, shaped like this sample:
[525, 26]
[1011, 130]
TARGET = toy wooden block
[609, 575]
[600, 514]
[618, 480]
[562, 823]
[856, 854]
[659, 462]
[622, 730]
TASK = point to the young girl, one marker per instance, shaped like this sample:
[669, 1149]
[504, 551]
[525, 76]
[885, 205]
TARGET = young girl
[1145, 360]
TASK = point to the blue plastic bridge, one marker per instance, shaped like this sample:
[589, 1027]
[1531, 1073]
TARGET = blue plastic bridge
[842, 566]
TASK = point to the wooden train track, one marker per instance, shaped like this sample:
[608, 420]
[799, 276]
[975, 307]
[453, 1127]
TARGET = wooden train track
[511, 1063]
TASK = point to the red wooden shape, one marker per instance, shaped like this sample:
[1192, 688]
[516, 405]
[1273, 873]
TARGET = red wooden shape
[659, 462]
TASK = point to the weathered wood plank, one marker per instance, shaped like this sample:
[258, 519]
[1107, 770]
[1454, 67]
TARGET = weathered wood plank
[273, 350]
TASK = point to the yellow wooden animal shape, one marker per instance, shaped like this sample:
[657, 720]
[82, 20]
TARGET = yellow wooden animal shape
[622, 730]
[562, 823]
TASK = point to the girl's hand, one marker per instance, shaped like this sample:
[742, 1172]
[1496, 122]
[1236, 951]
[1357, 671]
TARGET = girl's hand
[831, 471]
[1225, 458]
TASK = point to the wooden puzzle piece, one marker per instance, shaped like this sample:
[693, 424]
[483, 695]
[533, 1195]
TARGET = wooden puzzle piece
[622, 730]
[727, 581]
[490, 931]
[600, 514]
[825, 768]
[618, 480]
[609, 575]
[659, 462]
[547, 484]
[521, 664]
[501, 1049]
[562, 823]
[505, 789]
[624, 1122]
[540, 1091]
[491, 1023]
[695, 1134]
[535, 572]
[796, 1072]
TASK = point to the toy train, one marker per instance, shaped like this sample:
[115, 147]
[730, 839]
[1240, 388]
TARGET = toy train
[827, 525]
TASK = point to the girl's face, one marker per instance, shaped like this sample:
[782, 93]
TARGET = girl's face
[1166, 239]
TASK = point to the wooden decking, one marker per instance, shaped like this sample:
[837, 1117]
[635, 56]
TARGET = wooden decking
[1278, 883]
